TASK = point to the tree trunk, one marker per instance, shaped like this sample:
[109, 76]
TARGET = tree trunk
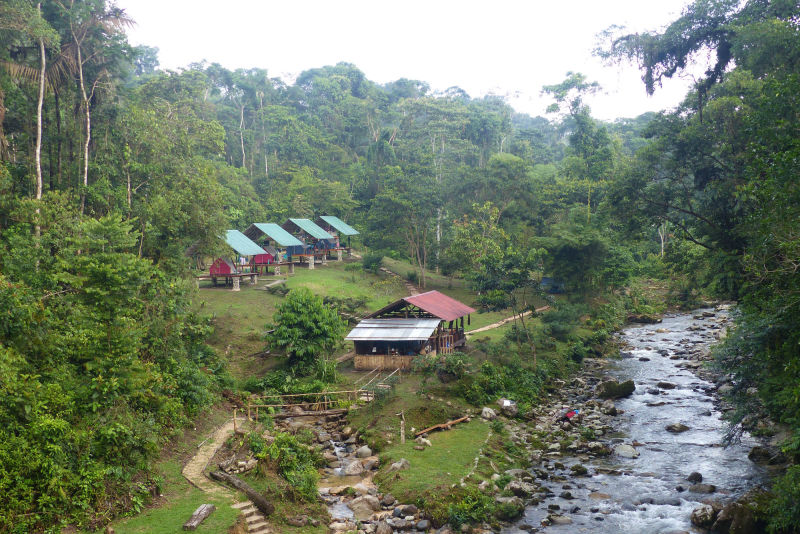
[261, 503]
[38, 156]
[241, 136]
[88, 118]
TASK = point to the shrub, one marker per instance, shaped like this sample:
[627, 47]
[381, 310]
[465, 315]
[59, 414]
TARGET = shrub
[785, 507]
[296, 462]
[372, 261]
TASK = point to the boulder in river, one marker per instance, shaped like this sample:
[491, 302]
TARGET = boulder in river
[703, 516]
[363, 452]
[703, 488]
[695, 477]
[624, 450]
[677, 428]
[364, 506]
[611, 389]
[354, 468]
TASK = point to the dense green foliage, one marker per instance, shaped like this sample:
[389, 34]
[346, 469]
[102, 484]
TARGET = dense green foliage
[305, 328]
[128, 175]
[100, 359]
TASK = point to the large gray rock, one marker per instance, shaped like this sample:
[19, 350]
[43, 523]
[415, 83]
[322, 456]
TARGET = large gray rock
[623, 450]
[703, 516]
[509, 508]
[521, 489]
[399, 465]
[364, 506]
[703, 488]
[354, 468]
[508, 407]
[611, 389]
[363, 452]
[488, 414]
[677, 428]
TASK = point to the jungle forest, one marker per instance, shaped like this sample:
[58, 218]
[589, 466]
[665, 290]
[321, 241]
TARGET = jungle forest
[118, 180]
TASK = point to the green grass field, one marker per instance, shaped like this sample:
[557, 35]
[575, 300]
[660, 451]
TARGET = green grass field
[179, 500]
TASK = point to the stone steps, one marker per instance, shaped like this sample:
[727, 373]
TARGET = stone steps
[255, 520]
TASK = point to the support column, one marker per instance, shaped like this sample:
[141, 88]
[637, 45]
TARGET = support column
[254, 279]
[277, 270]
[197, 283]
[235, 283]
[311, 262]
[324, 257]
[339, 255]
[291, 268]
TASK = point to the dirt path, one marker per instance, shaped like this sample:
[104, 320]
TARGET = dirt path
[412, 289]
[193, 470]
[504, 321]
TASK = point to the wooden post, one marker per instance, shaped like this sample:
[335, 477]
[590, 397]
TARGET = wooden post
[248, 410]
[402, 427]
[257, 419]
[234, 420]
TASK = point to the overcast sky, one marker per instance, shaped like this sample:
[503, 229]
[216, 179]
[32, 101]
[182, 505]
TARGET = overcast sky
[505, 47]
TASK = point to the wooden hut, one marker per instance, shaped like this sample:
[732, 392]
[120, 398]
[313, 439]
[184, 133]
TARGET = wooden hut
[318, 242]
[430, 323]
[263, 261]
[273, 237]
[338, 229]
[232, 271]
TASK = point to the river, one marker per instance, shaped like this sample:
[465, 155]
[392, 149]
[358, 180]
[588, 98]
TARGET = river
[649, 494]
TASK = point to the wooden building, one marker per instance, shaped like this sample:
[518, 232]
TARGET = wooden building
[272, 237]
[338, 229]
[231, 271]
[317, 242]
[430, 323]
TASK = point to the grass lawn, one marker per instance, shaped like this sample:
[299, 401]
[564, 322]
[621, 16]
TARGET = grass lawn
[451, 457]
[176, 506]
[240, 318]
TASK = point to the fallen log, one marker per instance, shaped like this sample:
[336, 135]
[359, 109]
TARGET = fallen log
[261, 503]
[203, 511]
[443, 426]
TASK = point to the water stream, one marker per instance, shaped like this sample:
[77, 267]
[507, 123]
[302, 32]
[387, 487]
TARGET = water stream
[644, 494]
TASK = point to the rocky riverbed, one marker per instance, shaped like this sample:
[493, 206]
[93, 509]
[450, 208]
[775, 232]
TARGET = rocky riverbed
[645, 454]
[645, 461]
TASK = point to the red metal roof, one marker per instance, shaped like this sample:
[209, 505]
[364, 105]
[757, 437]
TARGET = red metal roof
[440, 305]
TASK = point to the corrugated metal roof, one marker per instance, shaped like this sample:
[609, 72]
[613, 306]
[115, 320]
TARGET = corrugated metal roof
[393, 330]
[278, 234]
[242, 244]
[440, 305]
[340, 225]
[308, 226]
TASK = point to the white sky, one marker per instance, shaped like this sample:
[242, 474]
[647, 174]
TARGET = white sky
[504, 47]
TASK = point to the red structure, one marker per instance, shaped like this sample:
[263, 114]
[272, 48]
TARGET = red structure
[265, 260]
[222, 267]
